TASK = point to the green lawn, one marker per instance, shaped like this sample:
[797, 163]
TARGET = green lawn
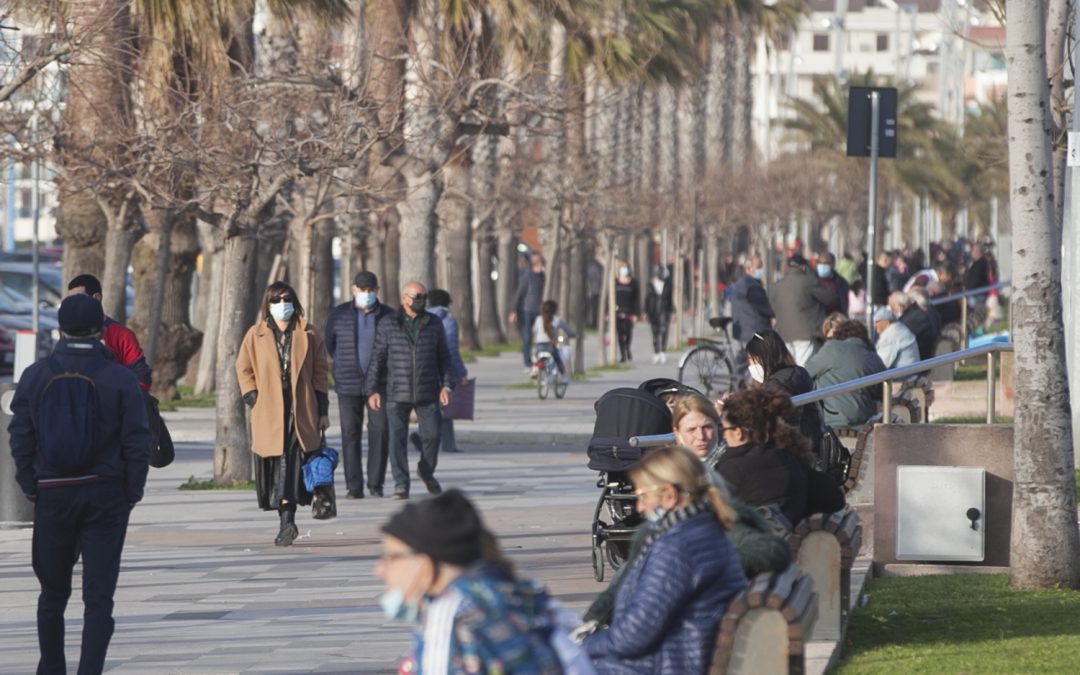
[188, 399]
[470, 356]
[193, 483]
[962, 624]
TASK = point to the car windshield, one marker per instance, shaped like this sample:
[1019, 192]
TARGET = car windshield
[13, 303]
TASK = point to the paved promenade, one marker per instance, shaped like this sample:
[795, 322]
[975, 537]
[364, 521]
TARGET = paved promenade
[204, 590]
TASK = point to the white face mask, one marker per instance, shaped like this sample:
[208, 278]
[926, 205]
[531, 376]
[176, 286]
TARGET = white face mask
[281, 311]
[364, 299]
[757, 372]
[624, 271]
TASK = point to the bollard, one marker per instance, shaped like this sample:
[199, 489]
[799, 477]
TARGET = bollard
[15, 509]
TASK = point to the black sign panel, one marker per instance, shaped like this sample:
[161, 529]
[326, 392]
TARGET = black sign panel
[859, 110]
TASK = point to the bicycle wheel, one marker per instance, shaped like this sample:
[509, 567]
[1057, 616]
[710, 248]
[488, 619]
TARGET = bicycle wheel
[543, 382]
[561, 382]
[708, 370]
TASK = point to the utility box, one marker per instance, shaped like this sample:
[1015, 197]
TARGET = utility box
[941, 513]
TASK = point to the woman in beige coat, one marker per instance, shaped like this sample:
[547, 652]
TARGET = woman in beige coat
[282, 369]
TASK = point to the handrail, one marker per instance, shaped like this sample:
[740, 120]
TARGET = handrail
[967, 294]
[885, 378]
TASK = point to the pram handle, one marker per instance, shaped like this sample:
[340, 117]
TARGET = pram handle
[652, 441]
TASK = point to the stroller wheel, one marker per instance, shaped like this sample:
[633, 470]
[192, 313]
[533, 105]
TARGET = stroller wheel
[617, 553]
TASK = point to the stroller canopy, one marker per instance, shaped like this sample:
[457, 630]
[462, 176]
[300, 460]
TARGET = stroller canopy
[621, 414]
[665, 385]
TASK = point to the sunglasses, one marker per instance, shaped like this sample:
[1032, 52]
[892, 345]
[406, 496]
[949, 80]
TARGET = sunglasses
[418, 296]
[281, 298]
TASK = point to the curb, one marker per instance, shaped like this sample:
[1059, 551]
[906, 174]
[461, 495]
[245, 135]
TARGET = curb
[561, 440]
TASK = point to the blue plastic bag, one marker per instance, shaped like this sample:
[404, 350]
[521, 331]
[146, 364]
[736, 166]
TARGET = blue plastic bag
[319, 468]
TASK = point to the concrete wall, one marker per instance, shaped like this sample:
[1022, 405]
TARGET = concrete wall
[978, 445]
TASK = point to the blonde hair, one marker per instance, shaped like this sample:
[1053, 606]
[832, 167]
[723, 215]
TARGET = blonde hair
[685, 404]
[677, 466]
[832, 322]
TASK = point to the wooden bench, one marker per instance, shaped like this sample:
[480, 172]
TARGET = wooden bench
[766, 626]
[825, 545]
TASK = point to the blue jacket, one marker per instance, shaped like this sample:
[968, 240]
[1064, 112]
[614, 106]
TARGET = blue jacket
[450, 326]
[670, 603]
[340, 339]
[123, 431]
[750, 309]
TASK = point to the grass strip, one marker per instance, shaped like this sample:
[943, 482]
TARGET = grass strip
[962, 624]
[193, 483]
[188, 399]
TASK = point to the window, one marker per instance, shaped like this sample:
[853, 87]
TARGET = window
[821, 42]
[883, 42]
[26, 203]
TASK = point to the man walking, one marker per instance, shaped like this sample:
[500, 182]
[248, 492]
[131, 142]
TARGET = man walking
[800, 302]
[81, 445]
[530, 293]
[837, 285]
[350, 341]
[410, 370]
[120, 339]
[750, 309]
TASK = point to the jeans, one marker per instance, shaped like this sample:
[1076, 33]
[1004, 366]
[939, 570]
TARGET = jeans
[93, 519]
[430, 418]
[527, 321]
[447, 440]
[351, 411]
[547, 347]
[659, 328]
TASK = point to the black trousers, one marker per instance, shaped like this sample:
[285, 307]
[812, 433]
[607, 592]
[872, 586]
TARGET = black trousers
[93, 519]
[624, 328]
[351, 410]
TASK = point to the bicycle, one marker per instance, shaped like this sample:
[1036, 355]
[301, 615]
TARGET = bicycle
[548, 377]
[709, 365]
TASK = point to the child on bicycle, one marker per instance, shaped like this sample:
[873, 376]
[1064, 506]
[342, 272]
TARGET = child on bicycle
[547, 330]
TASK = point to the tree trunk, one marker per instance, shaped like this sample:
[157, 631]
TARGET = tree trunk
[120, 237]
[232, 449]
[491, 332]
[1045, 543]
[455, 215]
[322, 274]
[391, 288]
[577, 311]
[1057, 24]
[508, 277]
[209, 303]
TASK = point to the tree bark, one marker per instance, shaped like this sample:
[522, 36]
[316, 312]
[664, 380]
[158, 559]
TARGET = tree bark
[1045, 542]
[120, 237]
[212, 279]
[232, 449]
[456, 215]
[1057, 24]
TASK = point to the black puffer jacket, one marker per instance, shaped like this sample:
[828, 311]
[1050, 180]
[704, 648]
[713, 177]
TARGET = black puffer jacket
[341, 346]
[405, 372]
[794, 380]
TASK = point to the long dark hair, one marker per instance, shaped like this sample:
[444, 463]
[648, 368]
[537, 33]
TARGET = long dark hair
[768, 349]
[280, 288]
[547, 313]
[761, 414]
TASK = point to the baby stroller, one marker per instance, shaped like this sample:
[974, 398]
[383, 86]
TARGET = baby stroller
[620, 414]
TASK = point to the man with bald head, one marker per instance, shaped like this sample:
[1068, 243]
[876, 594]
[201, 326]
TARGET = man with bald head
[410, 371]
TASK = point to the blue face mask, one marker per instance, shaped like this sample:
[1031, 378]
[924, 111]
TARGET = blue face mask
[395, 607]
[364, 299]
[656, 515]
[281, 311]
[759, 273]
[824, 271]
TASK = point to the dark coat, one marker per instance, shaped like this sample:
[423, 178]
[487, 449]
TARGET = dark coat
[404, 372]
[978, 275]
[839, 288]
[925, 327]
[453, 341]
[750, 308]
[763, 475]
[841, 361]
[795, 380]
[123, 433]
[881, 286]
[670, 603]
[659, 306]
[341, 346]
[628, 298]
[799, 302]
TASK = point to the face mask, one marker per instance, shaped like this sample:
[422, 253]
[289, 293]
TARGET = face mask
[656, 515]
[824, 271]
[395, 608]
[757, 372]
[364, 299]
[418, 305]
[281, 311]
[624, 271]
[759, 273]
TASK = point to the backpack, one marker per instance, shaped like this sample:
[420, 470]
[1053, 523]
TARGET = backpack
[65, 413]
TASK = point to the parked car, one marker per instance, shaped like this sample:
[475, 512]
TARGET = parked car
[18, 276]
[16, 313]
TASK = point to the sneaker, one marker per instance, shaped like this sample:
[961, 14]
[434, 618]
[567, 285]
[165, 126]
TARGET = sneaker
[663, 357]
[400, 495]
[433, 486]
[354, 495]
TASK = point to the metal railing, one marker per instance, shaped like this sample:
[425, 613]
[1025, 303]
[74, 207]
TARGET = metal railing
[886, 379]
[964, 295]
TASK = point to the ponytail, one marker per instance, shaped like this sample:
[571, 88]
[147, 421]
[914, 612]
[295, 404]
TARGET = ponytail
[725, 513]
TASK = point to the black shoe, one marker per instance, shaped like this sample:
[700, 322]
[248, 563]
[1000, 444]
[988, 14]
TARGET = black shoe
[354, 495]
[433, 486]
[414, 440]
[323, 504]
[375, 491]
[288, 532]
[400, 495]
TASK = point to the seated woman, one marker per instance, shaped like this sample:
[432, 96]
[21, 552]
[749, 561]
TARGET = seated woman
[768, 462]
[773, 365]
[846, 355]
[675, 590]
[547, 329]
[697, 426]
[476, 618]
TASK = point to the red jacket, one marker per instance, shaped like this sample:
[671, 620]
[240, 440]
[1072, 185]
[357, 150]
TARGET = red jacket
[122, 342]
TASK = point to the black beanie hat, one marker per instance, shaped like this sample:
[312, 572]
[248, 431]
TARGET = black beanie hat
[446, 527]
[80, 315]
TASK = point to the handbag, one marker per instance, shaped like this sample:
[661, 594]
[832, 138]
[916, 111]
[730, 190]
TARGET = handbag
[162, 452]
[319, 481]
[462, 401]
